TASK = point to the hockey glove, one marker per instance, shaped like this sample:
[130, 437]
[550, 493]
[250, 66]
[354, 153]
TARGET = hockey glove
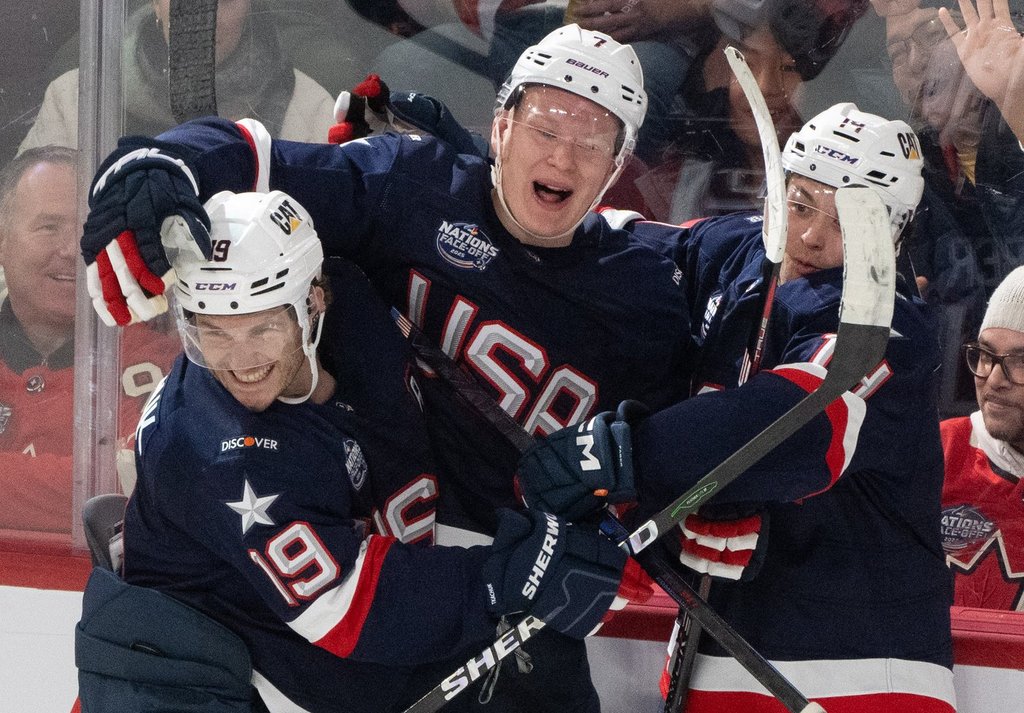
[371, 109]
[578, 470]
[143, 209]
[562, 573]
[729, 549]
[635, 587]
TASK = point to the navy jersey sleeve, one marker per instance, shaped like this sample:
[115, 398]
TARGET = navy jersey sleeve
[251, 515]
[866, 429]
[340, 186]
[317, 570]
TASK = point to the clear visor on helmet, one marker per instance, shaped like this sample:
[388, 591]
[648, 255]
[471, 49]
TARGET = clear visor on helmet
[240, 341]
[811, 202]
[548, 119]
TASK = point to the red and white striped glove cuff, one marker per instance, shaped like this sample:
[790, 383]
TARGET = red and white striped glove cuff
[721, 548]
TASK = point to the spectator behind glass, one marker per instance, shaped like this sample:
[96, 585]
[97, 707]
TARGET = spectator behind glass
[253, 80]
[479, 42]
[335, 41]
[992, 59]
[983, 495]
[39, 232]
[714, 164]
[34, 32]
[660, 31]
[968, 235]
[992, 56]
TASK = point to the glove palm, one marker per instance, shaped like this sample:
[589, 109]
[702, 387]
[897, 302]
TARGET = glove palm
[144, 208]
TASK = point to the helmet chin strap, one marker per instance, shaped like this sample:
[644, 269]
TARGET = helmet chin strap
[505, 212]
[309, 349]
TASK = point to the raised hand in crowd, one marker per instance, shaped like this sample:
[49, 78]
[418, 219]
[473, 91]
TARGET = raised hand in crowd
[992, 52]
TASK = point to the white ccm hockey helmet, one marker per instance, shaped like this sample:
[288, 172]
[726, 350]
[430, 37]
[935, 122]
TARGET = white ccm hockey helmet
[843, 146]
[591, 65]
[266, 255]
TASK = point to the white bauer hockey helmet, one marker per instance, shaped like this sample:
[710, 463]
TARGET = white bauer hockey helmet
[266, 254]
[843, 146]
[589, 64]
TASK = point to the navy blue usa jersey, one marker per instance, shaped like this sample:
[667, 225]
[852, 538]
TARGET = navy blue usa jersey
[853, 594]
[258, 521]
[554, 334]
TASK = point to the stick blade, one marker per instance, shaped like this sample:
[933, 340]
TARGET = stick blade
[869, 282]
[775, 213]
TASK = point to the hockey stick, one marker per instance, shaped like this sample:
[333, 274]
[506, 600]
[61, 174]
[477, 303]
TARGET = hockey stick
[865, 315]
[775, 212]
[865, 318]
[470, 392]
[191, 45]
[776, 223]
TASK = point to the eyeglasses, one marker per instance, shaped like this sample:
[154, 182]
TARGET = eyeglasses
[925, 36]
[981, 361]
[590, 150]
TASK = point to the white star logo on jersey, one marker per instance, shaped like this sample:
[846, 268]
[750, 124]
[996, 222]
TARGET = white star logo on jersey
[253, 508]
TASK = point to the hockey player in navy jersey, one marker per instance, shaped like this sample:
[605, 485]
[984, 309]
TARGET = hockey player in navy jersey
[851, 601]
[502, 264]
[255, 463]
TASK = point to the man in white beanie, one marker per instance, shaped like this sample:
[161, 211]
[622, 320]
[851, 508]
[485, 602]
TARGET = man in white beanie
[983, 495]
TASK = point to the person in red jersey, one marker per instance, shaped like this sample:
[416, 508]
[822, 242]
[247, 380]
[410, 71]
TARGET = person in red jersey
[982, 505]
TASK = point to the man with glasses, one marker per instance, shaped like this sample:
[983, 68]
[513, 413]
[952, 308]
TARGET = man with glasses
[983, 495]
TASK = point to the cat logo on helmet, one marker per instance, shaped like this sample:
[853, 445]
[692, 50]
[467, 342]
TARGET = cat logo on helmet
[908, 143]
[286, 217]
[265, 243]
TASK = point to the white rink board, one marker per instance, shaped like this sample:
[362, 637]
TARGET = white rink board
[37, 665]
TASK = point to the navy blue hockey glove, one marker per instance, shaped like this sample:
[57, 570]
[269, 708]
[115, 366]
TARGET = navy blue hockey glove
[565, 574]
[371, 108]
[144, 208]
[578, 470]
[727, 544]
